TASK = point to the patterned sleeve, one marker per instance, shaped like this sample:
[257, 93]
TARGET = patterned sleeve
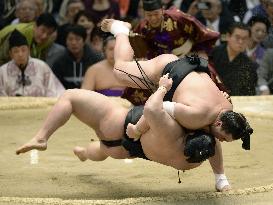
[202, 37]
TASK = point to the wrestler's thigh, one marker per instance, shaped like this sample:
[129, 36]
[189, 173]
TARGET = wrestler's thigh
[90, 106]
[150, 70]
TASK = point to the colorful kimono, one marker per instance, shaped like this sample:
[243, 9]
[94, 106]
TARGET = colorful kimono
[176, 28]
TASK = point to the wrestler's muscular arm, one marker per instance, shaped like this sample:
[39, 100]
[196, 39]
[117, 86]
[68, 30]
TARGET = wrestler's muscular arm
[156, 117]
[192, 117]
[135, 131]
[216, 161]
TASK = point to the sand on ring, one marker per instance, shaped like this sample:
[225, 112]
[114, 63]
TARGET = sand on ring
[60, 178]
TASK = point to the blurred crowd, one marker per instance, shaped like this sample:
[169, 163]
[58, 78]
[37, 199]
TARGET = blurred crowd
[47, 46]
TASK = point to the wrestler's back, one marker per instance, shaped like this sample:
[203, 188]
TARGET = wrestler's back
[167, 150]
[198, 90]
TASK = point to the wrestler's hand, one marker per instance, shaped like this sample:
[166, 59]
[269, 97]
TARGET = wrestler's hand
[226, 96]
[133, 132]
[221, 183]
[225, 188]
[166, 82]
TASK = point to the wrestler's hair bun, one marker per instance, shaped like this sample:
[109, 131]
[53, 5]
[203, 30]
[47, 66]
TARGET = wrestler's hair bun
[199, 146]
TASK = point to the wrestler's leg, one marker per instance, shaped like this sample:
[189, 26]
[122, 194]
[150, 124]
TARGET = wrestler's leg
[93, 152]
[58, 116]
[123, 55]
[82, 103]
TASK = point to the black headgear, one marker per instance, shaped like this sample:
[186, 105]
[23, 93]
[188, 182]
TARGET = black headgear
[17, 39]
[151, 5]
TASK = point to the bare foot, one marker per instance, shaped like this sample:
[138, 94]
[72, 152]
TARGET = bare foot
[80, 152]
[34, 143]
[107, 23]
[132, 132]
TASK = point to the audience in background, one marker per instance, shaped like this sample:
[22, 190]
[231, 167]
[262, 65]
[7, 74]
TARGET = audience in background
[83, 18]
[26, 12]
[235, 69]
[72, 65]
[268, 42]
[96, 40]
[216, 17]
[100, 77]
[38, 34]
[259, 27]
[265, 74]
[72, 8]
[160, 30]
[26, 76]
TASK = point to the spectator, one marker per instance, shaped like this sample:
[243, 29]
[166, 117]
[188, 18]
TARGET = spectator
[259, 27]
[38, 34]
[102, 9]
[216, 17]
[72, 8]
[265, 74]
[83, 18]
[99, 77]
[96, 40]
[26, 12]
[26, 76]
[72, 65]
[236, 70]
[268, 42]
[169, 31]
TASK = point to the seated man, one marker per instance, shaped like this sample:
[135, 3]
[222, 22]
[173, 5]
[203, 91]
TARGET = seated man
[100, 77]
[196, 95]
[70, 67]
[24, 75]
[166, 146]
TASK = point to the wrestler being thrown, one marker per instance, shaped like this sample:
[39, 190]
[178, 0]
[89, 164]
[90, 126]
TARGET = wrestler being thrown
[192, 96]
